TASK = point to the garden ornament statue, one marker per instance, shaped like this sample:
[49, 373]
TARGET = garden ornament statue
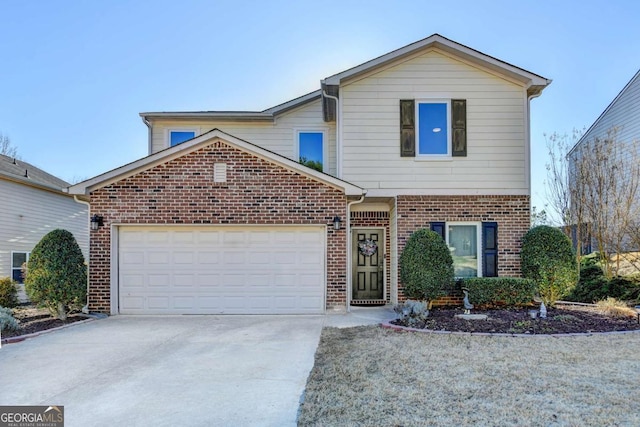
[467, 305]
[543, 310]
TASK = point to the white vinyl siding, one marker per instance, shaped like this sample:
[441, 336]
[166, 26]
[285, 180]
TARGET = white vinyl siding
[29, 213]
[623, 114]
[496, 143]
[276, 136]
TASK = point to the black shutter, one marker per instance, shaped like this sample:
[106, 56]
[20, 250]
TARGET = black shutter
[407, 128]
[459, 127]
[438, 227]
[490, 249]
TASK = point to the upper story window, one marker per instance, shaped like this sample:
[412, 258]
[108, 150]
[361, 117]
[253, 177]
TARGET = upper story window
[311, 149]
[433, 128]
[177, 136]
[17, 261]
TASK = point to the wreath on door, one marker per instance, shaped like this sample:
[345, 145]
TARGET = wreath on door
[367, 247]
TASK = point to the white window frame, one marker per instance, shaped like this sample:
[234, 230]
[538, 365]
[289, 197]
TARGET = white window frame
[478, 226]
[11, 260]
[167, 133]
[325, 145]
[446, 156]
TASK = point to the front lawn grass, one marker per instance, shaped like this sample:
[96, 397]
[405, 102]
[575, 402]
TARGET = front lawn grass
[369, 376]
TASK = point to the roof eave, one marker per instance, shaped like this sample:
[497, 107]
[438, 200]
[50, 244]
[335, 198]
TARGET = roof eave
[243, 116]
[86, 187]
[439, 42]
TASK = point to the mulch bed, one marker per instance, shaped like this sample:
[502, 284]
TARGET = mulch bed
[560, 320]
[33, 319]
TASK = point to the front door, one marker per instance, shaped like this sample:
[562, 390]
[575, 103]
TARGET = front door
[368, 264]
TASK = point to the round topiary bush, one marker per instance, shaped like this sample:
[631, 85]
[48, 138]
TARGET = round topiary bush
[548, 259]
[426, 266]
[56, 273]
[8, 293]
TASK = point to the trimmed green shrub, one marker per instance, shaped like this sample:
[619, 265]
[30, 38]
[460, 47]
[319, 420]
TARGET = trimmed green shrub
[507, 291]
[56, 274]
[594, 286]
[7, 321]
[8, 292]
[548, 259]
[426, 266]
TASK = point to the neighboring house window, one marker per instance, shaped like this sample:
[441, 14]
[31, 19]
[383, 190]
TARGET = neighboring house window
[311, 149]
[473, 246]
[437, 127]
[177, 136]
[17, 260]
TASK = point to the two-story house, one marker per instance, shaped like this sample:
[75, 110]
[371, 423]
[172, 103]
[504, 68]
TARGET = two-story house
[306, 206]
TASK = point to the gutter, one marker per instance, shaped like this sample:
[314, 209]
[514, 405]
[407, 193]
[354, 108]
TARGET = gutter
[338, 139]
[148, 123]
[349, 261]
[528, 141]
[85, 309]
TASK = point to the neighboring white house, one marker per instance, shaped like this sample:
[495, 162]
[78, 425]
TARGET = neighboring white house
[221, 217]
[622, 114]
[620, 123]
[34, 204]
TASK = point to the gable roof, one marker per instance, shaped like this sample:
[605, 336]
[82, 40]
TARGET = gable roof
[267, 115]
[25, 173]
[587, 133]
[534, 82]
[145, 163]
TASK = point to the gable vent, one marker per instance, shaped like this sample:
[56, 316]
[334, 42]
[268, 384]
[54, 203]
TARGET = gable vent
[219, 172]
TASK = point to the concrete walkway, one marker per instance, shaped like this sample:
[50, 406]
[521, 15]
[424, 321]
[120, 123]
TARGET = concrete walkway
[172, 370]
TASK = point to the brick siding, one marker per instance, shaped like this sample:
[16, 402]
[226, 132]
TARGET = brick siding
[512, 213]
[182, 191]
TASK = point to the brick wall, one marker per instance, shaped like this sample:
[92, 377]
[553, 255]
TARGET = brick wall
[182, 191]
[381, 220]
[512, 213]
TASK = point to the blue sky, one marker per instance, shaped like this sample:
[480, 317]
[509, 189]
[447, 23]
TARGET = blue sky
[75, 74]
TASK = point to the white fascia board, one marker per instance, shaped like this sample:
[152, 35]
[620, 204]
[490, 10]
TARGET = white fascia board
[255, 116]
[130, 169]
[437, 41]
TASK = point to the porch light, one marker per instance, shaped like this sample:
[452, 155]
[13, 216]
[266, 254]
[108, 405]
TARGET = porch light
[96, 222]
[336, 222]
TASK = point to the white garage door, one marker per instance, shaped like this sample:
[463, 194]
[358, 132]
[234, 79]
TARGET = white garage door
[221, 270]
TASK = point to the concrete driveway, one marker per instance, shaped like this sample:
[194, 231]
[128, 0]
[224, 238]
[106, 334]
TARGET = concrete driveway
[171, 370]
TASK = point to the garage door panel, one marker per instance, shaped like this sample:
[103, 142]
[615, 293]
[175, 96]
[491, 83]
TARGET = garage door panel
[197, 270]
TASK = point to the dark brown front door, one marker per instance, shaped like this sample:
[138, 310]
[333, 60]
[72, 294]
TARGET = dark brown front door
[368, 264]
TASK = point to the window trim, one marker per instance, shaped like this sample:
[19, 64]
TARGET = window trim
[325, 145]
[28, 253]
[448, 155]
[479, 249]
[168, 131]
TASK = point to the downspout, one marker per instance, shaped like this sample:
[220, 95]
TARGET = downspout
[338, 139]
[149, 139]
[528, 142]
[85, 309]
[349, 261]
